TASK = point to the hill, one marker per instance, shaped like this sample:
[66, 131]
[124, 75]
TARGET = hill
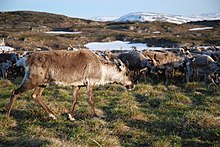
[26, 30]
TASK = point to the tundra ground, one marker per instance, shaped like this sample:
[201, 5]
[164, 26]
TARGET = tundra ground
[150, 115]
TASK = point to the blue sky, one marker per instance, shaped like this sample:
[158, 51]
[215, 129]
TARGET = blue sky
[93, 8]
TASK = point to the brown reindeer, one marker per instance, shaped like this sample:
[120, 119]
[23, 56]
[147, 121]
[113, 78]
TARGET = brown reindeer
[166, 61]
[77, 68]
[203, 65]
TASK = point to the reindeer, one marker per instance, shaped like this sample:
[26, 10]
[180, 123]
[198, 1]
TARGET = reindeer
[203, 65]
[78, 68]
[136, 62]
[4, 66]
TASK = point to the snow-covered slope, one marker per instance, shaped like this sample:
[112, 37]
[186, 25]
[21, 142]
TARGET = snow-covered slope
[178, 19]
[142, 17]
[104, 18]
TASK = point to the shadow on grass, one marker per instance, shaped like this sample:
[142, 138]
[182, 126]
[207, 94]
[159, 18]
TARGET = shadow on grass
[23, 142]
[21, 115]
[16, 134]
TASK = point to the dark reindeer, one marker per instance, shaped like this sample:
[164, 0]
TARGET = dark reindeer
[137, 63]
[76, 68]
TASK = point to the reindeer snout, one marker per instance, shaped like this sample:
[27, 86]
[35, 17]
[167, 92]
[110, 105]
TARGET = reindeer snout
[130, 86]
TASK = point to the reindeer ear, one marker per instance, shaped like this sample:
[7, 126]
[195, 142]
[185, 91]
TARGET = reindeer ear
[8, 61]
[116, 62]
[122, 65]
[127, 63]
[155, 56]
[106, 57]
[120, 62]
[193, 59]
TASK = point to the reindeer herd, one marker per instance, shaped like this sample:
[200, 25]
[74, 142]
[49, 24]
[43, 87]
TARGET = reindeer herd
[191, 64]
[90, 68]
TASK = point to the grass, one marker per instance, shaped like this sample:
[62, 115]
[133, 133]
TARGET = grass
[150, 115]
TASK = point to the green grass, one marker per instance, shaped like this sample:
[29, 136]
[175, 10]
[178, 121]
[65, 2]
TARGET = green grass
[150, 115]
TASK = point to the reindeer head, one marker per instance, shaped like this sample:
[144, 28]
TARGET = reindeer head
[124, 73]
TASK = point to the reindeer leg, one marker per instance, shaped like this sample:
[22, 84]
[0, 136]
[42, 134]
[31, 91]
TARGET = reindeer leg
[36, 95]
[6, 75]
[3, 74]
[188, 73]
[166, 76]
[14, 96]
[91, 96]
[75, 94]
[212, 81]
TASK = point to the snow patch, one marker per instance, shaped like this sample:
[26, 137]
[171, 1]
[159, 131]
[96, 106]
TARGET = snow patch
[157, 32]
[115, 45]
[198, 29]
[6, 49]
[62, 32]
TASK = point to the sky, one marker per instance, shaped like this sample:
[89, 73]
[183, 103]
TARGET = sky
[96, 8]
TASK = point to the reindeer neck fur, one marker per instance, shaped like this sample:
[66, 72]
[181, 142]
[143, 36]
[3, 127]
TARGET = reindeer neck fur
[110, 73]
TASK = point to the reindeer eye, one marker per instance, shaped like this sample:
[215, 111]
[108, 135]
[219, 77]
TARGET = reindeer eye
[127, 73]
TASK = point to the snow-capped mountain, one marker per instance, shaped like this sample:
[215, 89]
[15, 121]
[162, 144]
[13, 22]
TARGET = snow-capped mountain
[142, 17]
[178, 19]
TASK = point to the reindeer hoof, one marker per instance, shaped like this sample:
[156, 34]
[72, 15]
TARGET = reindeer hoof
[99, 116]
[70, 117]
[52, 116]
